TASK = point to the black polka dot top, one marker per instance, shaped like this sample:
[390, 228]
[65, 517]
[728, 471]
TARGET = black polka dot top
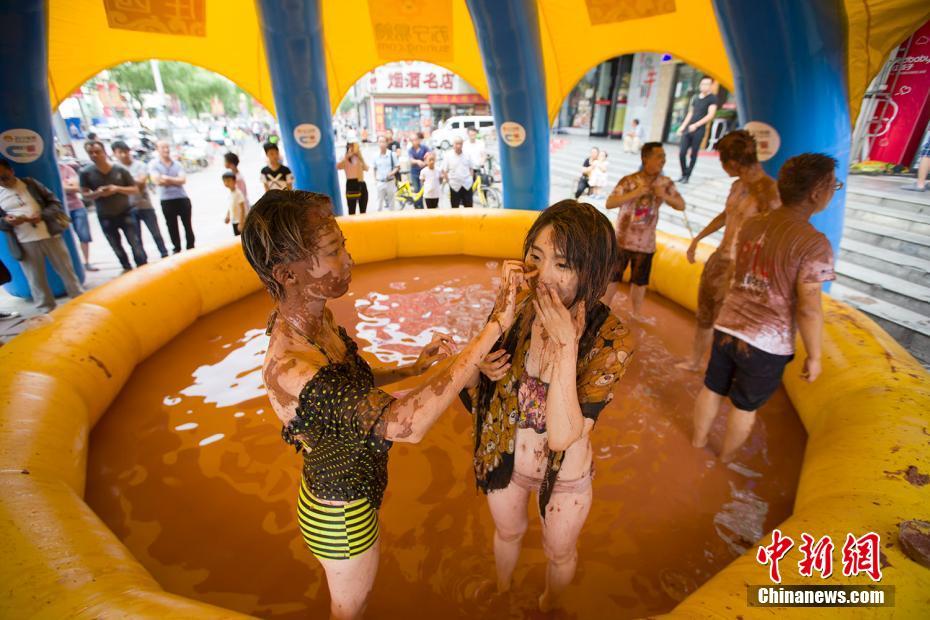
[340, 428]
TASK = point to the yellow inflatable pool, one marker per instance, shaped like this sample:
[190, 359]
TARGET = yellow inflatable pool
[867, 419]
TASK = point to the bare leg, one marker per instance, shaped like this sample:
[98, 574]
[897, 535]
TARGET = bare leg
[638, 294]
[703, 337]
[739, 427]
[705, 410]
[608, 297]
[565, 515]
[508, 509]
[923, 169]
[350, 583]
[85, 250]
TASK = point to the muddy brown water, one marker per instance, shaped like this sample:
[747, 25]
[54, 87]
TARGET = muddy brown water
[188, 469]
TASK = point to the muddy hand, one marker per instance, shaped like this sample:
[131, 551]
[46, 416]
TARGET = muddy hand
[495, 365]
[439, 348]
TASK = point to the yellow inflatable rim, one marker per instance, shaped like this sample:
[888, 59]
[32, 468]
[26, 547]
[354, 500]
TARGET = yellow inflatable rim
[867, 419]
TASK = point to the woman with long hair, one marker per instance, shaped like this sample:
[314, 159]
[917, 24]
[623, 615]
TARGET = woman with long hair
[536, 398]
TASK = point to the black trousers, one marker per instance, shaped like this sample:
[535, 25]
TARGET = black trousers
[356, 193]
[582, 186]
[461, 197]
[431, 203]
[174, 209]
[690, 141]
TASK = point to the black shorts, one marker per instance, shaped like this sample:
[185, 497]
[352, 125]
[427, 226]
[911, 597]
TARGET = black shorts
[640, 266]
[749, 376]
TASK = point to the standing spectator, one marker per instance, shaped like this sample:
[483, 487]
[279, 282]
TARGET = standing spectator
[781, 263]
[231, 161]
[33, 218]
[392, 145]
[6, 276]
[475, 149]
[169, 176]
[633, 139]
[276, 175]
[701, 111]
[457, 170]
[76, 211]
[638, 197]
[385, 172]
[431, 181]
[356, 189]
[599, 175]
[417, 154]
[110, 187]
[238, 208]
[142, 208]
[584, 182]
[923, 168]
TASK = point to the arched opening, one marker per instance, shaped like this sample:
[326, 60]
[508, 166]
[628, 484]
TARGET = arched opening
[401, 101]
[202, 114]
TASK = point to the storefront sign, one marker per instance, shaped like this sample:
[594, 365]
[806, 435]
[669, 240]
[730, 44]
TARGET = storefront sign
[513, 134]
[405, 29]
[461, 99]
[767, 139]
[643, 93]
[307, 135]
[21, 145]
[184, 17]
[414, 79]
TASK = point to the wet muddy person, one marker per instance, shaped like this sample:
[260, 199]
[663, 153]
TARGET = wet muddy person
[326, 394]
[752, 193]
[781, 263]
[536, 398]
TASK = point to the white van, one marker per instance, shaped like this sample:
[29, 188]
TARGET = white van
[457, 127]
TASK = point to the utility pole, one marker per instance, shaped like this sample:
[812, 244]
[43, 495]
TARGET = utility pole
[162, 107]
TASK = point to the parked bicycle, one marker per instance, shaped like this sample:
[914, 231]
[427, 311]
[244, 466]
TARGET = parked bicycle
[405, 196]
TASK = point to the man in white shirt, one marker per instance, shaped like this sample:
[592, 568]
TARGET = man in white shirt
[475, 148]
[633, 138]
[385, 169]
[457, 169]
[29, 214]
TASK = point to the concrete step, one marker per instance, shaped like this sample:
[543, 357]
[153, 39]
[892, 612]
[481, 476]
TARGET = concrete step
[908, 219]
[900, 265]
[897, 291]
[889, 238]
[892, 196]
[909, 328]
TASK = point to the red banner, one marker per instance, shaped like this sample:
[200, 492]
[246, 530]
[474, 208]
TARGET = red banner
[906, 118]
[470, 98]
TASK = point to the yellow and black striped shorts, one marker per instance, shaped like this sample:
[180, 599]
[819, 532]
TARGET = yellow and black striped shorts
[336, 532]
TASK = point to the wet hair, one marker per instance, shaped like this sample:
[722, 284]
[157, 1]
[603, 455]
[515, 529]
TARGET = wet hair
[229, 174]
[738, 147]
[5, 163]
[268, 146]
[91, 143]
[119, 145]
[648, 148]
[802, 174]
[231, 158]
[587, 239]
[283, 227]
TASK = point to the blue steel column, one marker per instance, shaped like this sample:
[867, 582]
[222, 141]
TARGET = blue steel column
[789, 62]
[508, 35]
[25, 105]
[293, 34]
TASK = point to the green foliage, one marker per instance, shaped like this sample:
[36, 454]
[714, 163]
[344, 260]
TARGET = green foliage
[193, 86]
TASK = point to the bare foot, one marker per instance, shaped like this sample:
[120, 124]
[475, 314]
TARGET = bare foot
[727, 458]
[689, 366]
[545, 602]
[699, 444]
[647, 320]
[503, 588]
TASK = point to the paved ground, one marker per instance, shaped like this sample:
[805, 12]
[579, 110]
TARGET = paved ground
[208, 198]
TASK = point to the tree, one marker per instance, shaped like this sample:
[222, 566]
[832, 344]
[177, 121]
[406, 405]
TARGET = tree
[192, 85]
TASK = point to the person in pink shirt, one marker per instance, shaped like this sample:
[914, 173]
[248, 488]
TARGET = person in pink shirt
[354, 166]
[781, 263]
[638, 197]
